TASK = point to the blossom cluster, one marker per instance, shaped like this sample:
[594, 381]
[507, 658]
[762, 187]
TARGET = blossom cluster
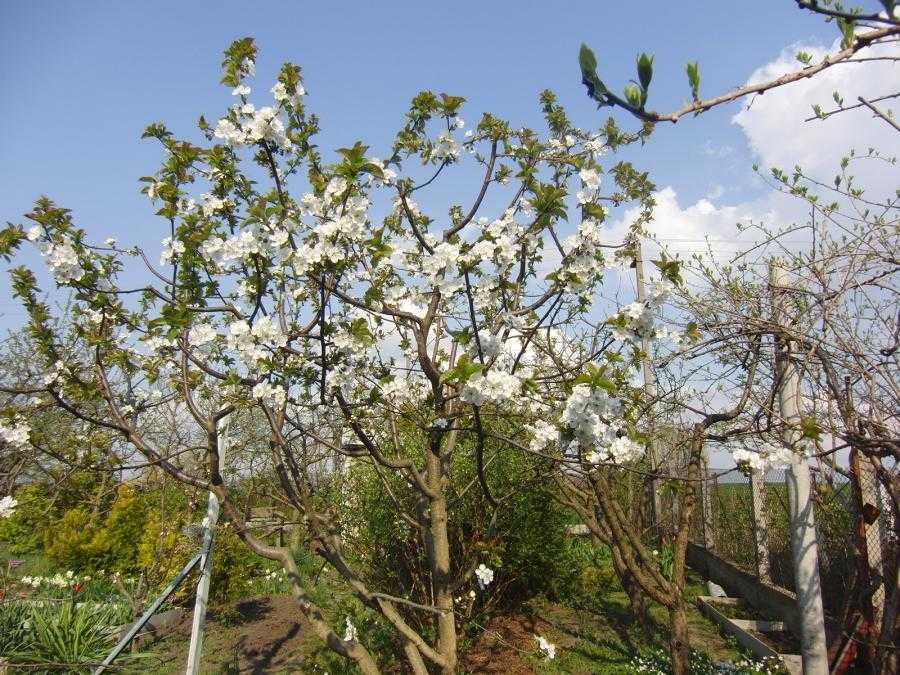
[495, 386]
[254, 343]
[8, 504]
[485, 575]
[248, 125]
[542, 434]
[764, 459]
[595, 419]
[636, 321]
[15, 433]
[350, 632]
[622, 450]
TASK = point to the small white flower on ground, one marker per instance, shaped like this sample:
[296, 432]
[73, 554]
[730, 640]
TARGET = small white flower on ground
[547, 647]
[485, 575]
[350, 633]
[7, 506]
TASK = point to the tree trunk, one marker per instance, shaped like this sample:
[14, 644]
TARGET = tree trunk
[679, 640]
[638, 602]
[414, 658]
[440, 561]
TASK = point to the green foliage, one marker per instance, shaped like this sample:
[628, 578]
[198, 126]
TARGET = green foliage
[693, 75]
[11, 238]
[588, 62]
[528, 547]
[234, 564]
[67, 541]
[848, 30]
[237, 56]
[633, 94]
[13, 628]
[67, 633]
[23, 530]
[134, 532]
[464, 368]
[645, 75]
[112, 546]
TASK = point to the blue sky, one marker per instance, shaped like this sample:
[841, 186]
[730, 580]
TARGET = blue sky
[81, 80]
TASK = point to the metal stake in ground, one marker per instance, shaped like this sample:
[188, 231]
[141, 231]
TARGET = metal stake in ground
[804, 545]
[212, 517]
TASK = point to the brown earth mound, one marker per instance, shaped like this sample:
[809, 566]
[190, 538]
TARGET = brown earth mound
[256, 635]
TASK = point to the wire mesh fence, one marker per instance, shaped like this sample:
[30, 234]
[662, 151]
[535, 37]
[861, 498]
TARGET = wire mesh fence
[855, 531]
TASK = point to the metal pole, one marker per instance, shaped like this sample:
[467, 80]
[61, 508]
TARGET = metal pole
[200, 603]
[145, 617]
[804, 543]
[650, 388]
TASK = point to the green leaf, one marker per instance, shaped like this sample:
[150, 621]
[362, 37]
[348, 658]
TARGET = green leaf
[373, 295]
[10, 239]
[463, 370]
[633, 94]
[847, 32]
[462, 337]
[587, 59]
[590, 79]
[693, 75]
[359, 329]
[156, 130]
[670, 269]
[238, 52]
[693, 331]
[810, 428]
[645, 71]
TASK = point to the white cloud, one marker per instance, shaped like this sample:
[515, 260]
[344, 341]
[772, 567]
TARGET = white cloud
[711, 149]
[687, 229]
[778, 135]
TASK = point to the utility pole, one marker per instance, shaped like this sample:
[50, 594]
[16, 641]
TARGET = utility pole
[650, 388]
[198, 625]
[804, 544]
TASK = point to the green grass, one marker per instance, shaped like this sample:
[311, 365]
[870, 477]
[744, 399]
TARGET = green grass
[35, 564]
[598, 636]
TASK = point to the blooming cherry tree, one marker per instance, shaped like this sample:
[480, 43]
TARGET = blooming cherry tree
[326, 297]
